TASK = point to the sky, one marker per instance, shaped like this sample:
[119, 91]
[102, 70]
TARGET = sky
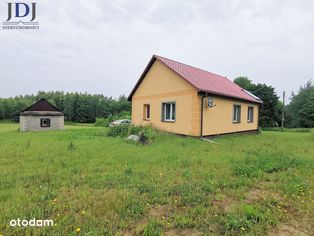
[102, 47]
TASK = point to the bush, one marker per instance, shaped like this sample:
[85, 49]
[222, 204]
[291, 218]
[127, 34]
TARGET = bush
[102, 122]
[118, 131]
[150, 132]
[147, 133]
[125, 115]
[135, 130]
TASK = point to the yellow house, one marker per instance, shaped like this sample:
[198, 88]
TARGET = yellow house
[182, 99]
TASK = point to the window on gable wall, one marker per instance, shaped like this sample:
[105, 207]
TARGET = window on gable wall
[146, 111]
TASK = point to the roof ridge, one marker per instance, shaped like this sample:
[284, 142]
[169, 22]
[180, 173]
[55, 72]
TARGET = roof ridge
[191, 66]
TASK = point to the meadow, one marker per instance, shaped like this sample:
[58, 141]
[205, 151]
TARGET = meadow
[92, 184]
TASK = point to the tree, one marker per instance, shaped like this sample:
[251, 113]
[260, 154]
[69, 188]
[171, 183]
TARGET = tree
[269, 115]
[2, 115]
[306, 114]
[77, 107]
[269, 110]
[244, 82]
[301, 105]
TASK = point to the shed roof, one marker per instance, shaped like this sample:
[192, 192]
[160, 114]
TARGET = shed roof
[41, 106]
[202, 80]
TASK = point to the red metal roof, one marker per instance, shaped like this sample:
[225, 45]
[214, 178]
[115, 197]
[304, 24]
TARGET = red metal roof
[202, 80]
[206, 81]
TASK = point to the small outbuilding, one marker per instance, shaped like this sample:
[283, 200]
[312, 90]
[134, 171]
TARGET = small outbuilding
[42, 115]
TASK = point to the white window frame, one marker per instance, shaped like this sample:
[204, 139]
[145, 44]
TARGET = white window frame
[172, 113]
[250, 116]
[236, 113]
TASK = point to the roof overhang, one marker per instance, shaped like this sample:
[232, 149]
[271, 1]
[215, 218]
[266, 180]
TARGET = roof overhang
[41, 113]
[208, 93]
[147, 68]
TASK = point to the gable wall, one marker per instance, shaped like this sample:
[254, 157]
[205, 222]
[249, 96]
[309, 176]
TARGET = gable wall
[160, 85]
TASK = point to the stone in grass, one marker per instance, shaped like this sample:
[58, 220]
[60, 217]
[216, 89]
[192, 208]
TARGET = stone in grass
[133, 138]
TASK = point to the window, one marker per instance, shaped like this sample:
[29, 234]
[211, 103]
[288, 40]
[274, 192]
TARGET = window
[236, 114]
[45, 122]
[169, 111]
[146, 112]
[250, 114]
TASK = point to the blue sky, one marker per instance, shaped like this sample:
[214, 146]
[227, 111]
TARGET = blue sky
[101, 46]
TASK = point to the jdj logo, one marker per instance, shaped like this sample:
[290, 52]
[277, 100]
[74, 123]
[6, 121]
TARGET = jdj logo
[18, 9]
[21, 15]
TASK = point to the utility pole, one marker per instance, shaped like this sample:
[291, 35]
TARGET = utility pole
[283, 111]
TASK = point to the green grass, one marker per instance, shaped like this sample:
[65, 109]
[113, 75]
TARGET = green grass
[80, 178]
[8, 122]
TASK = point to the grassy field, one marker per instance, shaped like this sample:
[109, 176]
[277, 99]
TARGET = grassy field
[91, 184]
